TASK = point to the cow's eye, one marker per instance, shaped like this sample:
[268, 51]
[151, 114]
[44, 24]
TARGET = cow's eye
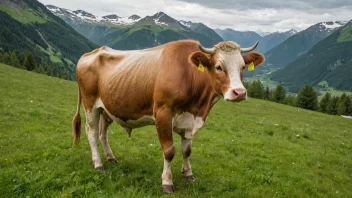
[218, 68]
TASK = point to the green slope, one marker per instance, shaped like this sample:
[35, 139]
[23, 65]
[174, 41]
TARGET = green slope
[251, 149]
[28, 27]
[205, 30]
[329, 60]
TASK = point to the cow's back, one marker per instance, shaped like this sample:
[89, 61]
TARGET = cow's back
[128, 83]
[122, 80]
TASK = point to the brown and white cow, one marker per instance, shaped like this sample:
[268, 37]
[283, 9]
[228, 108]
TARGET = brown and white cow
[164, 86]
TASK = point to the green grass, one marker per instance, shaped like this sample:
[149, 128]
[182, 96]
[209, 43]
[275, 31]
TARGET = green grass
[346, 35]
[251, 149]
[24, 15]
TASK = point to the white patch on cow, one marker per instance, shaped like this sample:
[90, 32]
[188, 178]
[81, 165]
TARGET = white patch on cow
[233, 61]
[92, 130]
[187, 122]
[166, 176]
[142, 121]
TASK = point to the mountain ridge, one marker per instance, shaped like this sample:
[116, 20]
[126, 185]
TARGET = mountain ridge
[138, 33]
[329, 60]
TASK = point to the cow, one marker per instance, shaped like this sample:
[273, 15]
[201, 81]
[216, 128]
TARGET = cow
[172, 86]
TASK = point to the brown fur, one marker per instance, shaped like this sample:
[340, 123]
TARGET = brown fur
[255, 57]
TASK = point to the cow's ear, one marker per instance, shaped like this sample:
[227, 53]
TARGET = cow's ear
[255, 57]
[198, 58]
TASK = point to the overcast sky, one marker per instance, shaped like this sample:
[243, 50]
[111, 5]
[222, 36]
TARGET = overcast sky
[266, 16]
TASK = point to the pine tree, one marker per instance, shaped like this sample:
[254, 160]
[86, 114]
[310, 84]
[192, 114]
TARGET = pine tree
[29, 62]
[14, 60]
[325, 102]
[308, 98]
[279, 94]
[266, 93]
[340, 106]
[348, 105]
[6, 58]
[290, 100]
[40, 69]
[332, 107]
[256, 90]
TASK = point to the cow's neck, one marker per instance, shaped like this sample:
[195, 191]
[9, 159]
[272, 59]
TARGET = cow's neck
[203, 101]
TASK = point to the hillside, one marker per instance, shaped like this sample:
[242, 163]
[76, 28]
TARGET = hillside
[299, 44]
[247, 38]
[28, 27]
[251, 149]
[329, 60]
[203, 29]
[133, 32]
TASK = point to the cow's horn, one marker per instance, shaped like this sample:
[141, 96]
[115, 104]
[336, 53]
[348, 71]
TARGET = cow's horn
[249, 48]
[207, 50]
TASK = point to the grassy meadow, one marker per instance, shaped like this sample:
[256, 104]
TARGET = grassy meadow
[249, 149]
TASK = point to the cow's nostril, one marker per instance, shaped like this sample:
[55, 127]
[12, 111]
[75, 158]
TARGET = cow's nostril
[240, 93]
[235, 92]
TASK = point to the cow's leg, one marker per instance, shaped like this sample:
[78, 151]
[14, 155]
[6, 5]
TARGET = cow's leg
[186, 165]
[128, 131]
[92, 130]
[104, 123]
[163, 121]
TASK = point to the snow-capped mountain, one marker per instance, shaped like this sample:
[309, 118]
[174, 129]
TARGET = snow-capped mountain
[162, 19]
[298, 44]
[134, 32]
[83, 16]
[262, 34]
[331, 25]
[186, 23]
[329, 60]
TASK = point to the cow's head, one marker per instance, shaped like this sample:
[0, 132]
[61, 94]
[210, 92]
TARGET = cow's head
[225, 64]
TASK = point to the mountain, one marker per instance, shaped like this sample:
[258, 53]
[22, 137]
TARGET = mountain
[329, 60]
[134, 32]
[245, 39]
[269, 41]
[248, 38]
[202, 29]
[28, 27]
[299, 44]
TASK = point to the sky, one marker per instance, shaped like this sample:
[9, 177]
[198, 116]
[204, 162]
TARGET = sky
[242, 15]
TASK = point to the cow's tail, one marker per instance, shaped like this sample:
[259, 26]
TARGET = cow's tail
[76, 121]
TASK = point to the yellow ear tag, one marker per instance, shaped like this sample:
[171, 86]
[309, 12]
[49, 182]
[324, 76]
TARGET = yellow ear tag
[251, 66]
[201, 67]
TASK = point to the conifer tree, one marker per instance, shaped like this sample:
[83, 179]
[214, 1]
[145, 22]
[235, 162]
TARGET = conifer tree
[308, 98]
[29, 62]
[279, 94]
[14, 60]
[332, 106]
[325, 102]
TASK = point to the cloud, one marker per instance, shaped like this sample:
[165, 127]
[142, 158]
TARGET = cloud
[267, 16]
[273, 4]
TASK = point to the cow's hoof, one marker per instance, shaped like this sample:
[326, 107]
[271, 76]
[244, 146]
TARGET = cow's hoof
[190, 178]
[100, 168]
[168, 189]
[112, 160]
